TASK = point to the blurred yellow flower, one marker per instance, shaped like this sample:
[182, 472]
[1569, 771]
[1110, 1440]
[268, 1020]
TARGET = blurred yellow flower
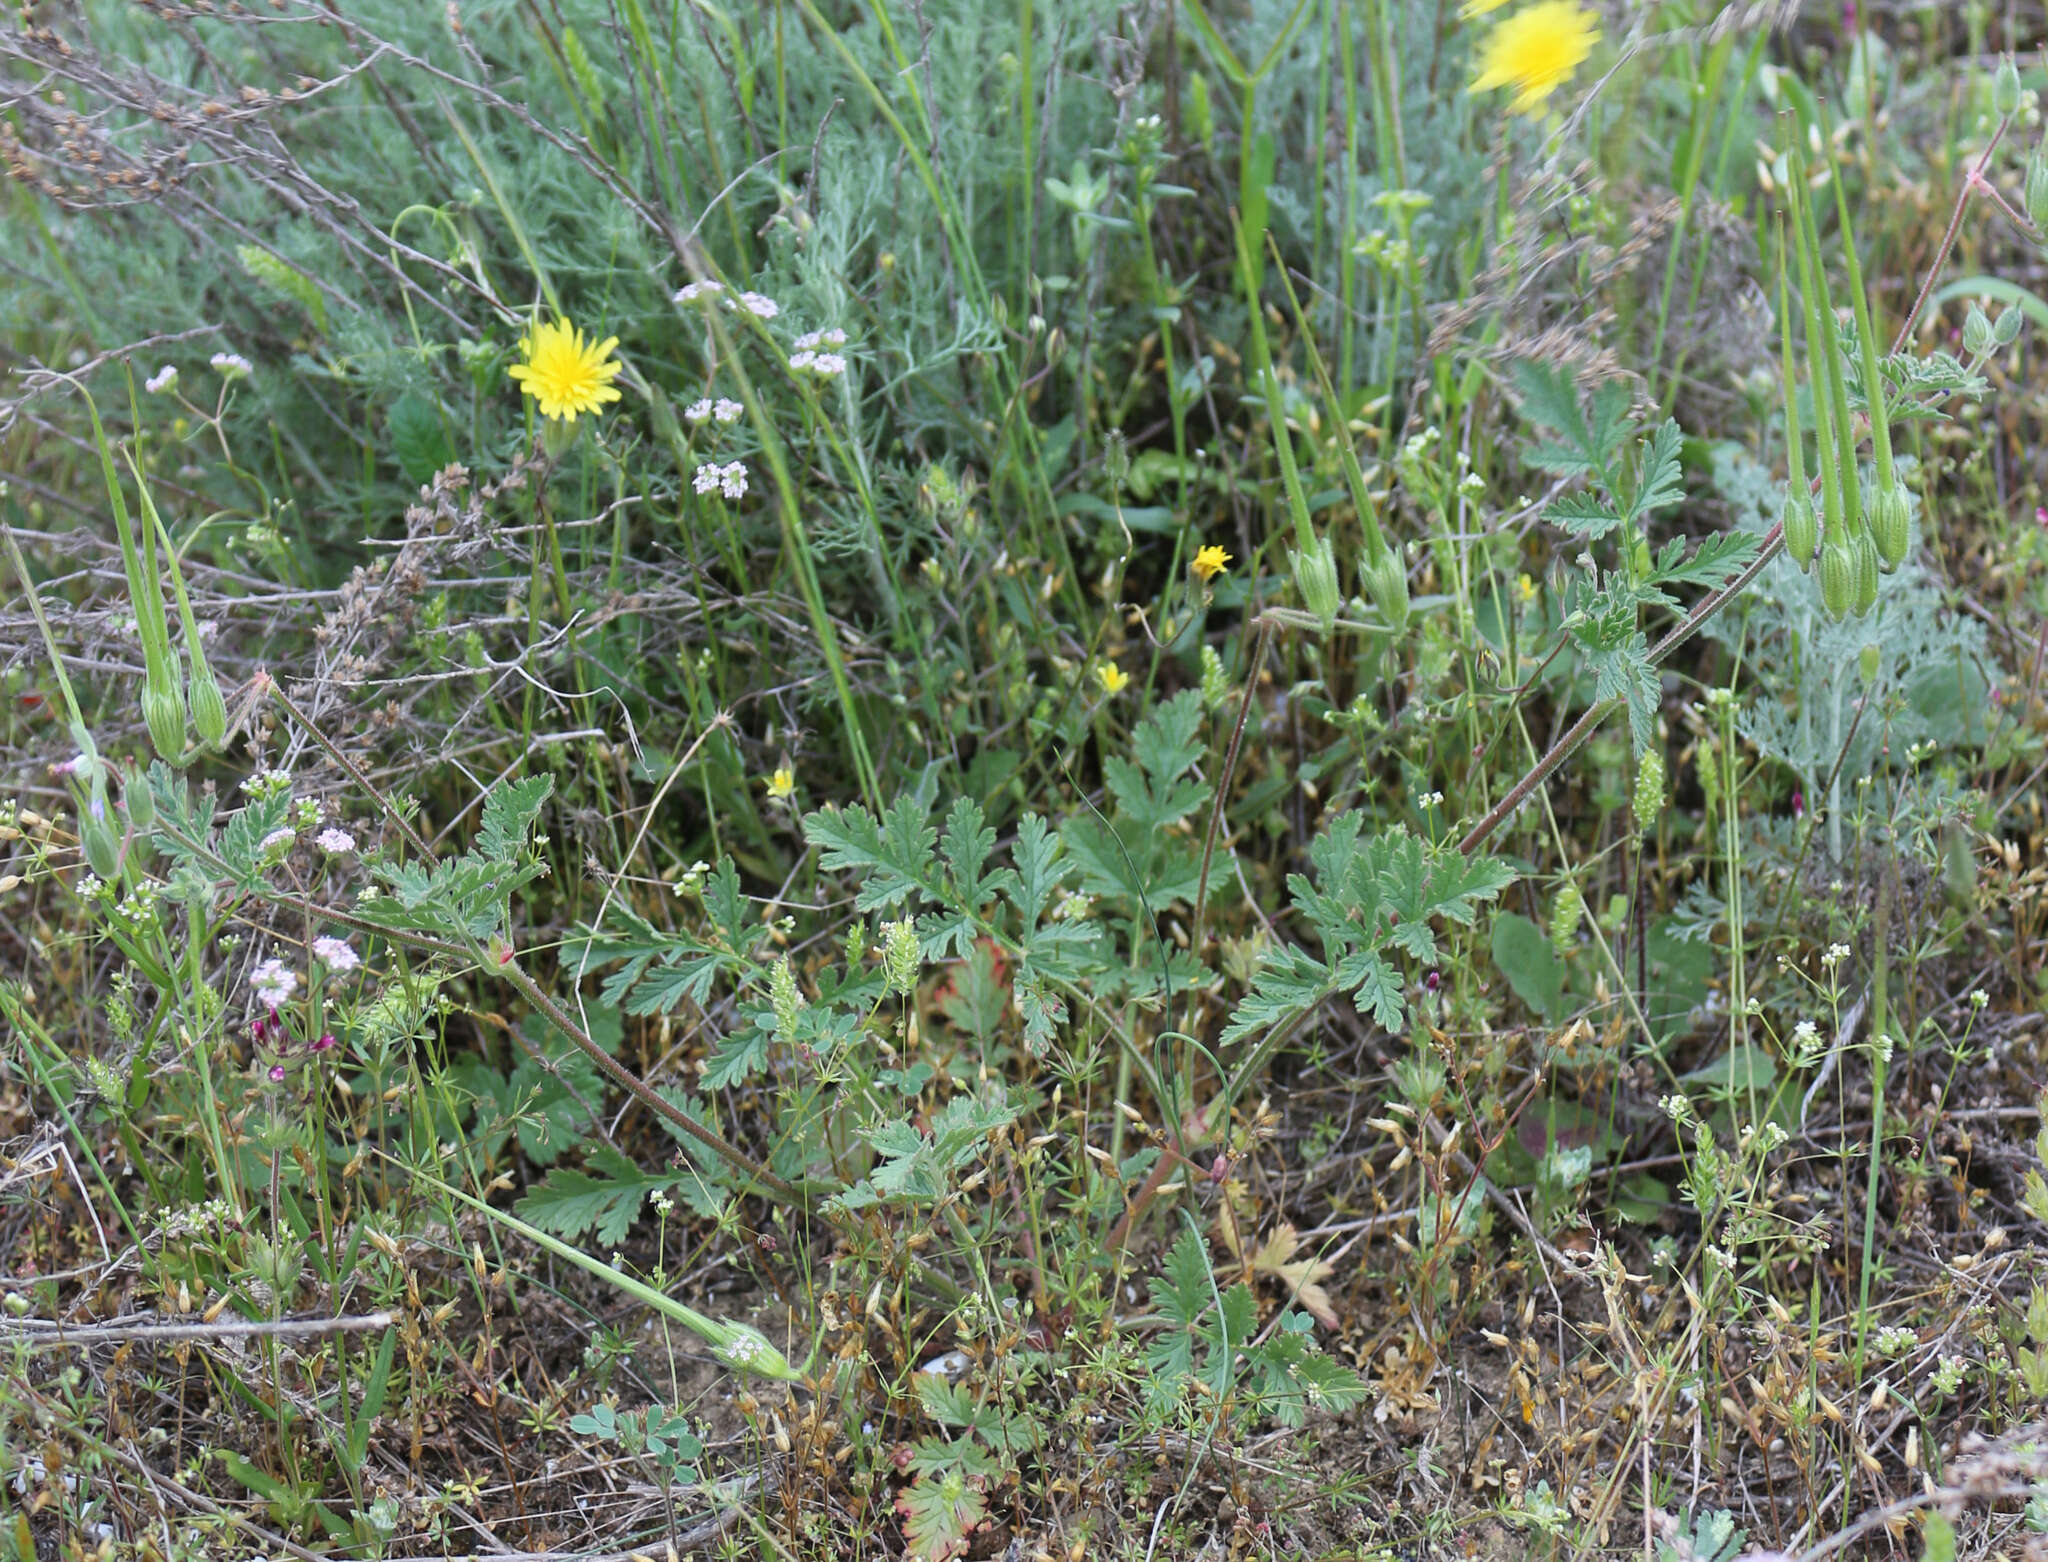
[1536, 51]
[1210, 562]
[564, 373]
[782, 785]
[1525, 590]
[1112, 678]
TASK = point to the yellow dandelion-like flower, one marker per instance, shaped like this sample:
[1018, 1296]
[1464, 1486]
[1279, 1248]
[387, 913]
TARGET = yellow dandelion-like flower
[782, 784]
[1112, 678]
[564, 373]
[1536, 51]
[1210, 562]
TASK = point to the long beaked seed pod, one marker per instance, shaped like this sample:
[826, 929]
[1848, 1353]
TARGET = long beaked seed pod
[1802, 530]
[1866, 574]
[209, 707]
[1825, 356]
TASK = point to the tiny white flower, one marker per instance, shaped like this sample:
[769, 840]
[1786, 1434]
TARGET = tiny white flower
[706, 480]
[273, 982]
[334, 841]
[698, 411]
[1836, 954]
[232, 366]
[690, 293]
[1805, 1033]
[760, 306]
[164, 379]
[803, 360]
[727, 410]
[732, 480]
[833, 338]
[336, 955]
[828, 364]
[279, 840]
[810, 339]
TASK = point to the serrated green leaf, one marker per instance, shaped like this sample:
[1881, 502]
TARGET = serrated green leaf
[1661, 480]
[1584, 515]
[510, 809]
[419, 443]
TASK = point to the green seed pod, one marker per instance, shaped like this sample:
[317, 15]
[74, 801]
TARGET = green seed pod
[1802, 529]
[1869, 661]
[2005, 330]
[2005, 88]
[163, 711]
[209, 707]
[1866, 574]
[1890, 526]
[1977, 336]
[96, 833]
[1837, 578]
[2037, 191]
[1649, 798]
[1565, 917]
[137, 800]
[1315, 577]
[1387, 583]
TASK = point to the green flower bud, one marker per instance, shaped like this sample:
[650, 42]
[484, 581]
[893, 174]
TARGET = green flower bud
[1890, 526]
[901, 956]
[1215, 682]
[1649, 798]
[1869, 662]
[1866, 574]
[1837, 578]
[787, 1002]
[2005, 88]
[1387, 583]
[1315, 577]
[2005, 330]
[1802, 530]
[163, 711]
[2037, 191]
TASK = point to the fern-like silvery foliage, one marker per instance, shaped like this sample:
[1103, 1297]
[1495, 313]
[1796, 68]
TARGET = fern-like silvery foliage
[1370, 900]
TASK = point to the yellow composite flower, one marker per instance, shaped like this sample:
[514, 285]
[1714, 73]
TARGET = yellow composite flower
[1112, 678]
[1536, 51]
[782, 784]
[565, 373]
[1210, 562]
